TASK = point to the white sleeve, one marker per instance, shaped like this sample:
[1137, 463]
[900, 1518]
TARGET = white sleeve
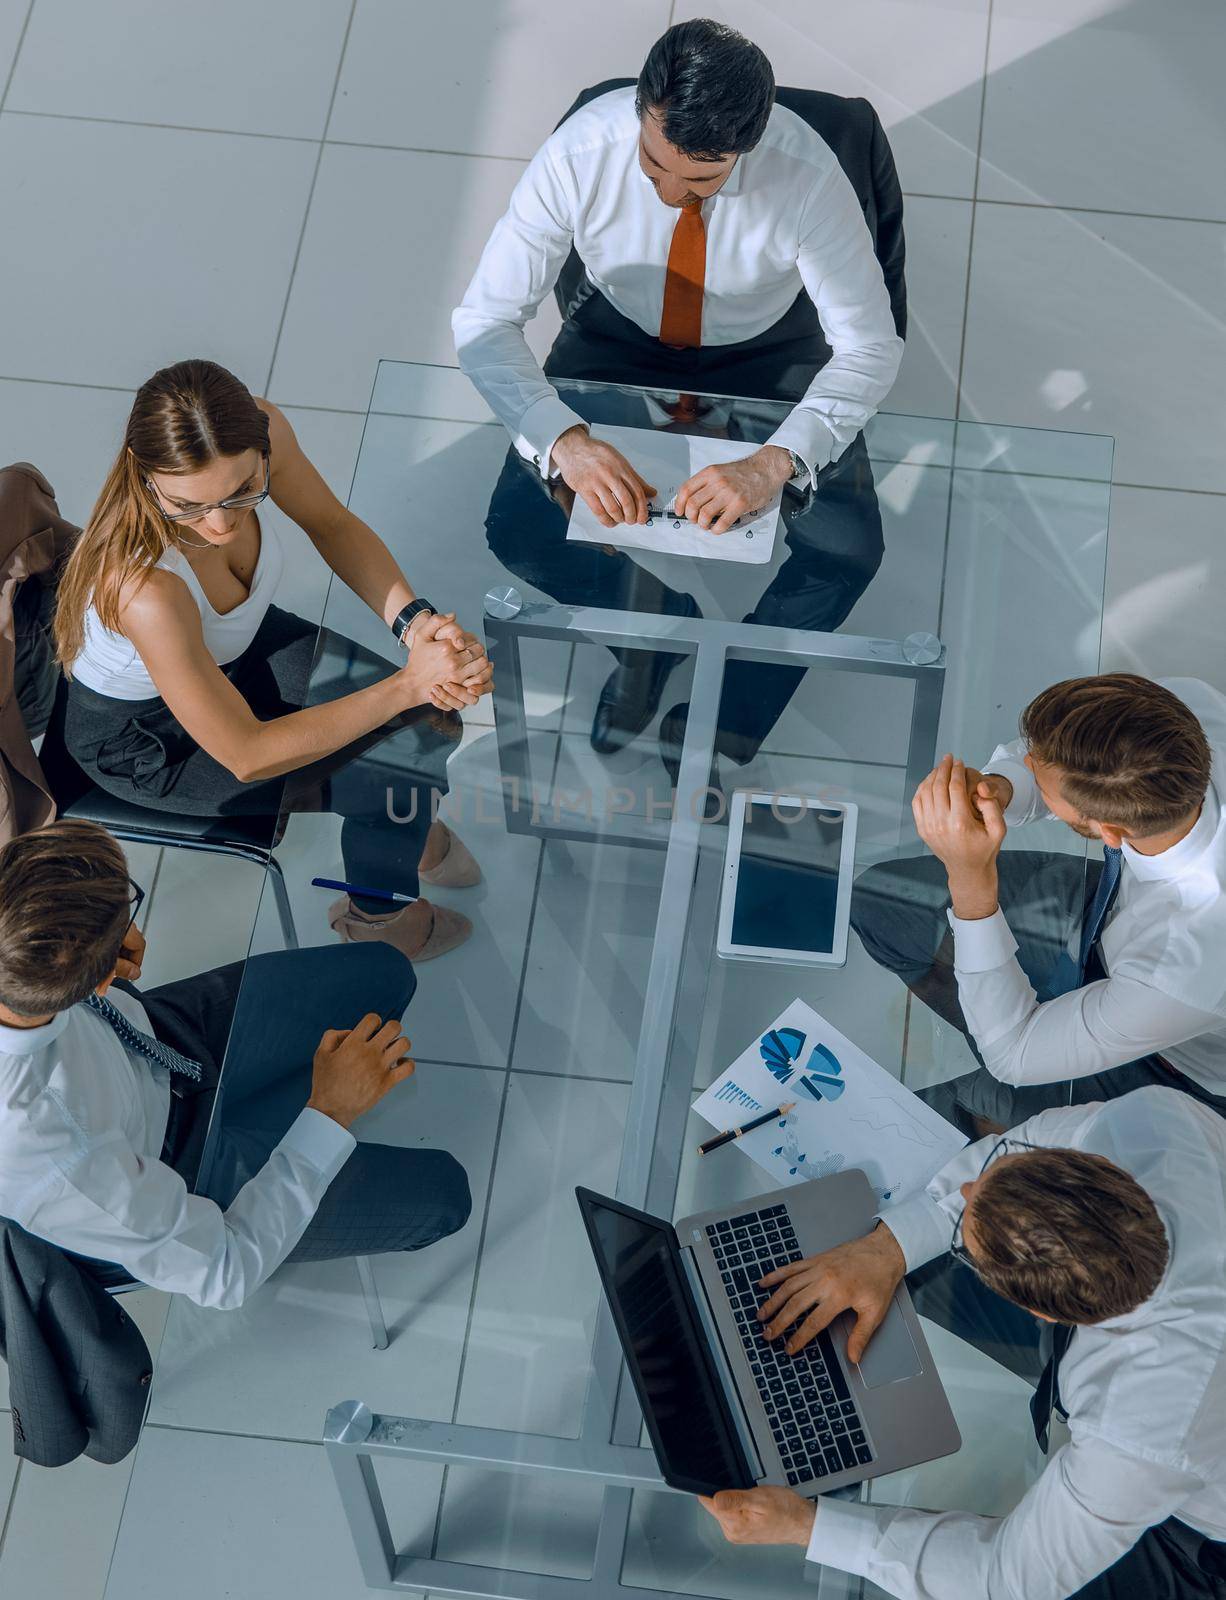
[1009, 761]
[924, 1224]
[1089, 1508]
[171, 1239]
[843, 278]
[518, 268]
[1092, 1029]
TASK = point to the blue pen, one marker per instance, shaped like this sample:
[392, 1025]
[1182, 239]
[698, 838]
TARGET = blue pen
[357, 888]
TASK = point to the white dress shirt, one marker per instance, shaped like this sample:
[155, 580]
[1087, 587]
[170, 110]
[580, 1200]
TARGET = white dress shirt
[82, 1122]
[786, 218]
[1145, 1393]
[1163, 947]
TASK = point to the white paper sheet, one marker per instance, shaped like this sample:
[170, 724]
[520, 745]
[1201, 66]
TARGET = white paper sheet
[849, 1111]
[667, 460]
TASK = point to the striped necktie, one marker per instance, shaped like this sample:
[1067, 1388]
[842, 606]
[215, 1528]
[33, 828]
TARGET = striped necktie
[144, 1044]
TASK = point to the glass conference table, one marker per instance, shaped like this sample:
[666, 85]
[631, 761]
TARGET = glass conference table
[495, 1447]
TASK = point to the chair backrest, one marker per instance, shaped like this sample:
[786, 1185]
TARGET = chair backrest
[853, 131]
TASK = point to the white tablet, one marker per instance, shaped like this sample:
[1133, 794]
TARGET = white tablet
[787, 879]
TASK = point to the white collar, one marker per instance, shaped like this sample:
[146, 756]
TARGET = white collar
[1181, 857]
[25, 1041]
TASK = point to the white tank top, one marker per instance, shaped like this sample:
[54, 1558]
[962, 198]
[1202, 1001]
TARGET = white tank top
[110, 664]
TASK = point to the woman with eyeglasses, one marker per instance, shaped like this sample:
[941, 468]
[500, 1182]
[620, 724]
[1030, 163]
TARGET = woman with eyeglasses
[187, 683]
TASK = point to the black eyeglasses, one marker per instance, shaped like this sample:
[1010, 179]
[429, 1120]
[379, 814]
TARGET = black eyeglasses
[1003, 1146]
[236, 502]
[135, 899]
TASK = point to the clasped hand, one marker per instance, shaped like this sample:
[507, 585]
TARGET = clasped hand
[447, 666]
[962, 822]
[715, 498]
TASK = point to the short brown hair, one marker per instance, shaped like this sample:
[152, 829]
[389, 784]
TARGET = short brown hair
[1068, 1234]
[64, 909]
[1129, 752]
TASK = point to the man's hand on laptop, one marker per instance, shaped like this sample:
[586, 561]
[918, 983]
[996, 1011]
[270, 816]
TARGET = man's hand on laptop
[610, 487]
[355, 1067]
[861, 1277]
[762, 1516]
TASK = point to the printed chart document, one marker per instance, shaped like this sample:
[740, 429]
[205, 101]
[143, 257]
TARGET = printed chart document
[667, 460]
[849, 1111]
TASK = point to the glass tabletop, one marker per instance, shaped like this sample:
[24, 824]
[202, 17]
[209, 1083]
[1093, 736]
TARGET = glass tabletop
[960, 570]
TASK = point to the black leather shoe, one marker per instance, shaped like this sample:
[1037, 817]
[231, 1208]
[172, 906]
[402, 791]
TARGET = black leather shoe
[631, 697]
[672, 732]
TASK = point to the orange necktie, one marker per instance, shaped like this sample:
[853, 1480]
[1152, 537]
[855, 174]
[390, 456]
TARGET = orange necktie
[681, 319]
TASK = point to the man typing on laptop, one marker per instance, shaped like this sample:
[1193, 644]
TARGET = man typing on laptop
[1095, 1238]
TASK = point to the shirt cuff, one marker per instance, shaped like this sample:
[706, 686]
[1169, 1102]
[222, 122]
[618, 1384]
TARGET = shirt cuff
[808, 437]
[1022, 780]
[320, 1140]
[843, 1535]
[922, 1229]
[540, 428]
[981, 944]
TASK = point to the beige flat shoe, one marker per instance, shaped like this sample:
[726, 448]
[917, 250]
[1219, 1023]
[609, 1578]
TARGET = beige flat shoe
[448, 929]
[457, 870]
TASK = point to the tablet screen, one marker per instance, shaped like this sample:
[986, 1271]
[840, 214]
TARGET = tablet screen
[787, 888]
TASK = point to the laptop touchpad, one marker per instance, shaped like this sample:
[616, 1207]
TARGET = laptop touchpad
[891, 1355]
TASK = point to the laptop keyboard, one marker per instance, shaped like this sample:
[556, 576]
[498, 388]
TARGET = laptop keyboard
[808, 1404]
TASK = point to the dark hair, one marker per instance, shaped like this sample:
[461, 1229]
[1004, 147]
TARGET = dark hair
[64, 909]
[712, 89]
[1068, 1234]
[1129, 751]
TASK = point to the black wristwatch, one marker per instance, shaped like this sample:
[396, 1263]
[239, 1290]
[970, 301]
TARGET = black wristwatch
[404, 619]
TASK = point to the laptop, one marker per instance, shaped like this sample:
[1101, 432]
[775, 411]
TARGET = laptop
[724, 1408]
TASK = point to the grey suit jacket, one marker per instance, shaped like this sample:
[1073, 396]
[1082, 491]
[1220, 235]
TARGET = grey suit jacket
[79, 1369]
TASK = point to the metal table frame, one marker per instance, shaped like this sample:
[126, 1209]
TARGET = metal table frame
[607, 1448]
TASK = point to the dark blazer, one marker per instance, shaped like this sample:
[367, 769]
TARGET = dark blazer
[853, 131]
[79, 1369]
[34, 541]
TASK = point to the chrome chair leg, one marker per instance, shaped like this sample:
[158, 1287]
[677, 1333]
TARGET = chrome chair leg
[374, 1307]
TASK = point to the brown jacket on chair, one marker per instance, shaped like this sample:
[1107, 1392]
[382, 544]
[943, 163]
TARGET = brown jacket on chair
[34, 540]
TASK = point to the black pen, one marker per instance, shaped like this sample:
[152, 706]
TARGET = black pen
[735, 1133]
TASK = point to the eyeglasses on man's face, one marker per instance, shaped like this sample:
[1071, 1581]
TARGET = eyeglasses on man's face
[136, 897]
[1003, 1147]
[178, 511]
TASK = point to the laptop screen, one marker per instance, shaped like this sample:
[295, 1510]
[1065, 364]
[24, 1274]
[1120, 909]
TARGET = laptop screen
[666, 1351]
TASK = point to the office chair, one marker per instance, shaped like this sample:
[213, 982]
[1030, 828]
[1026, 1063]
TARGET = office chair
[249, 838]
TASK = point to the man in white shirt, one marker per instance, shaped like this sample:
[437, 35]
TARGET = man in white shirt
[105, 1096]
[724, 251]
[1112, 976]
[1108, 1223]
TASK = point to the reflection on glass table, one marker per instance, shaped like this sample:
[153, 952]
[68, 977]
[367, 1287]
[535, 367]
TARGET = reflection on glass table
[565, 1043]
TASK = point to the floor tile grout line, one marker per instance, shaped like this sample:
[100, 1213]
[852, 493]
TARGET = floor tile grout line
[21, 39]
[966, 311]
[10, 1508]
[306, 211]
[523, 160]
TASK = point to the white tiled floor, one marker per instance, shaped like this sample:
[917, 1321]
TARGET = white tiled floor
[299, 188]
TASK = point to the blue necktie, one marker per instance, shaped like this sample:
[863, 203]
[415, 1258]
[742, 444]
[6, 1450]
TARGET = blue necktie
[1046, 1398]
[1104, 899]
[1068, 975]
[144, 1044]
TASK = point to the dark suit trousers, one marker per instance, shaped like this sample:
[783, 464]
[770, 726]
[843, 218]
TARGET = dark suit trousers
[270, 1013]
[834, 538]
